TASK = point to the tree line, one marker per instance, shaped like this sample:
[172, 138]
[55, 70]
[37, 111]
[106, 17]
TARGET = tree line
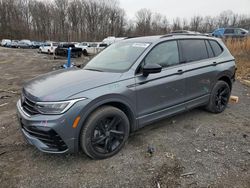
[93, 20]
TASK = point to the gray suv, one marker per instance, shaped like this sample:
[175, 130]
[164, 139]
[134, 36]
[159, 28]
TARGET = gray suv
[130, 84]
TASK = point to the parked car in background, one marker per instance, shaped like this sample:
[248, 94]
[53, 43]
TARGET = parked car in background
[95, 48]
[36, 44]
[28, 42]
[14, 44]
[62, 50]
[230, 33]
[48, 48]
[8, 44]
[83, 46]
[23, 44]
[130, 84]
[111, 40]
[5, 42]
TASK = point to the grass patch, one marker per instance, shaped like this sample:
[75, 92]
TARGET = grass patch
[240, 49]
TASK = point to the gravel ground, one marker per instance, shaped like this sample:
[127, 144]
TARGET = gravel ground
[193, 149]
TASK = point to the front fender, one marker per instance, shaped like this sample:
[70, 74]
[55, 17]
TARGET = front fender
[100, 101]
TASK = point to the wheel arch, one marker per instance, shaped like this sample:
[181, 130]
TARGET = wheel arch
[226, 78]
[119, 103]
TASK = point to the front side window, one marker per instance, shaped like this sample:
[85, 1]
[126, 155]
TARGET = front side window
[193, 50]
[165, 54]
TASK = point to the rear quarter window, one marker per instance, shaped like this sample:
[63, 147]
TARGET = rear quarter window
[217, 49]
[209, 50]
[193, 50]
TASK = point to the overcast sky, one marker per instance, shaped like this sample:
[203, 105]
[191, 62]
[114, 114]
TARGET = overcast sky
[186, 8]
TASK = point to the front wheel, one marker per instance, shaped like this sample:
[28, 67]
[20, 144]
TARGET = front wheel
[104, 133]
[219, 97]
[85, 52]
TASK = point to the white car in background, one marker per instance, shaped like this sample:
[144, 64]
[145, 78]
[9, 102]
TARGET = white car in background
[95, 48]
[48, 48]
[111, 40]
[4, 42]
[83, 46]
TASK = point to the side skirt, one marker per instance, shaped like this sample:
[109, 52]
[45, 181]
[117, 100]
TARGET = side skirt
[171, 111]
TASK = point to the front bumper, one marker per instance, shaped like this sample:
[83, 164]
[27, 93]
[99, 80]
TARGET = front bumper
[52, 133]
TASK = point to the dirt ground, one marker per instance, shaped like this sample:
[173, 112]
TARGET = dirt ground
[193, 149]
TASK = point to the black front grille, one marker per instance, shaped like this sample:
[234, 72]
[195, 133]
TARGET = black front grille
[28, 106]
[48, 136]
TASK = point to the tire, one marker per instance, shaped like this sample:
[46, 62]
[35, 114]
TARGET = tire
[105, 132]
[85, 52]
[219, 97]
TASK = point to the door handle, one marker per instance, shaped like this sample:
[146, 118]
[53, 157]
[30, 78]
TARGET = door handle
[214, 63]
[180, 71]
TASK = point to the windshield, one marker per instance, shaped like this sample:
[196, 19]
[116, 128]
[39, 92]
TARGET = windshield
[118, 57]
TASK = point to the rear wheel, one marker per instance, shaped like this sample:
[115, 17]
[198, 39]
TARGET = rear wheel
[104, 133]
[219, 97]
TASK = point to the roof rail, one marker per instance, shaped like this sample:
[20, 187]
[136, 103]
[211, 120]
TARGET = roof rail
[184, 34]
[131, 37]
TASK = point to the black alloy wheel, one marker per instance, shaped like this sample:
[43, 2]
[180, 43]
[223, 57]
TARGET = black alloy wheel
[219, 97]
[108, 134]
[222, 98]
[105, 132]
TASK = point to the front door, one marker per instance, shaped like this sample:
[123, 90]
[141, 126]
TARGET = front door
[161, 91]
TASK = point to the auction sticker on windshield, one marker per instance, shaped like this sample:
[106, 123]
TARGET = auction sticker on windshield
[141, 45]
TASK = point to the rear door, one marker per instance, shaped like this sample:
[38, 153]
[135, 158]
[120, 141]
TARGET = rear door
[200, 66]
[157, 92]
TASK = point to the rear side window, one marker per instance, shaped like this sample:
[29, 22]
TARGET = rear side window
[193, 50]
[165, 54]
[216, 48]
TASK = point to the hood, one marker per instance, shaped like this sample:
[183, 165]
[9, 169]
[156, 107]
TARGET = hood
[60, 85]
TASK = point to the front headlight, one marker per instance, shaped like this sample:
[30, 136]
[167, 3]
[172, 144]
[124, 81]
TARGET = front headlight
[55, 107]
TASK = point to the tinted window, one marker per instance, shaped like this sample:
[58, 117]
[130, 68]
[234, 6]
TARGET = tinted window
[103, 45]
[164, 54]
[216, 48]
[193, 50]
[209, 49]
[229, 31]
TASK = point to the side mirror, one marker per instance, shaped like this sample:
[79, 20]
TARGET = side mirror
[151, 69]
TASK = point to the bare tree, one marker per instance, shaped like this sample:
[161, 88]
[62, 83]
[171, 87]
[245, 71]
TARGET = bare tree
[143, 22]
[93, 20]
[196, 22]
